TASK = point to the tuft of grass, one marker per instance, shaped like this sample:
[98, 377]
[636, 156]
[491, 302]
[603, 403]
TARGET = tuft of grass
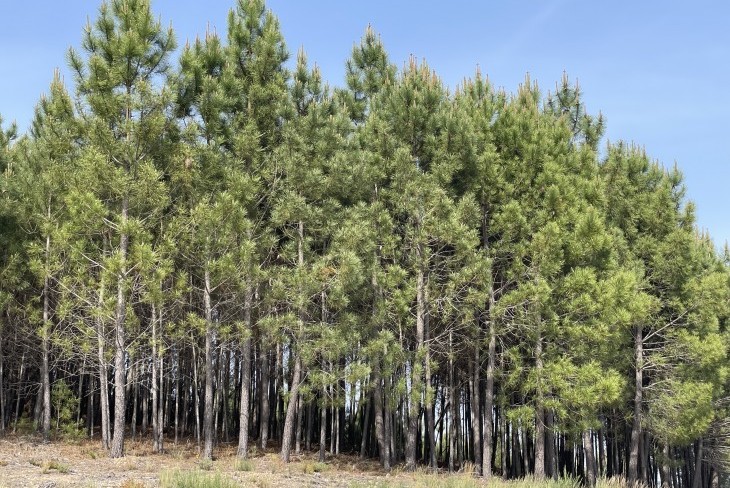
[320, 467]
[194, 479]
[53, 464]
[206, 464]
[244, 465]
[310, 467]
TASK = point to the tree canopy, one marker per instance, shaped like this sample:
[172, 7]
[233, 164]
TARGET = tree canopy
[222, 246]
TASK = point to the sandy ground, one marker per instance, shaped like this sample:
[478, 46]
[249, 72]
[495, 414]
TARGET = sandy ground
[27, 462]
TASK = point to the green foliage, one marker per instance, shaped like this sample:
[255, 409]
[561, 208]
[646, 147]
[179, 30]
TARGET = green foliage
[65, 404]
[392, 238]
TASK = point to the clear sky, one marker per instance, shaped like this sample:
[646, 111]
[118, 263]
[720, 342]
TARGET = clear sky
[657, 70]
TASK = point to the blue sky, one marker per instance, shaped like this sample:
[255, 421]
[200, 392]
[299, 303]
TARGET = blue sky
[657, 70]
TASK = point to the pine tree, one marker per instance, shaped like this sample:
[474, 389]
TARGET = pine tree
[127, 52]
[256, 55]
[40, 184]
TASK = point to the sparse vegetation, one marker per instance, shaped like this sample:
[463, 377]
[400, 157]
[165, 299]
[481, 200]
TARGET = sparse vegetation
[195, 479]
[244, 465]
[54, 465]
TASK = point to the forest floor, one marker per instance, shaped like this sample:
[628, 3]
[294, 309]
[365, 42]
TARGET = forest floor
[27, 462]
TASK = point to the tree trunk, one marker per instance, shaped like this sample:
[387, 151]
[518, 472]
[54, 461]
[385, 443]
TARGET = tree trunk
[430, 427]
[155, 392]
[504, 441]
[489, 399]
[117, 447]
[80, 394]
[300, 426]
[208, 400]
[245, 376]
[539, 409]
[589, 458]
[697, 478]
[550, 468]
[412, 428]
[383, 443]
[265, 404]
[45, 374]
[476, 424]
[633, 473]
[323, 425]
[453, 407]
[366, 424]
[177, 393]
[291, 409]
[666, 468]
[196, 389]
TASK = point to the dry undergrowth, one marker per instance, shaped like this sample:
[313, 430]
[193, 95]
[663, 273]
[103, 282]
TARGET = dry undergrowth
[26, 461]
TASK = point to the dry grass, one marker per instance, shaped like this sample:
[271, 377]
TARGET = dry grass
[87, 464]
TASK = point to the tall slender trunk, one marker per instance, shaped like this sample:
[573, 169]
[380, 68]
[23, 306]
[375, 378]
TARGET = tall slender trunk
[489, 395]
[21, 372]
[515, 458]
[453, 438]
[504, 441]
[412, 428]
[135, 373]
[383, 443]
[417, 383]
[45, 374]
[697, 478]
[430, 427]
[161, 389]
[539, 407]
[475, 419]
[196, 389]
[265, 408]
[245, 375]
[550, 469]
[117, 447]
[633, 473]
[666, 467]
[208, 401]
[80, 394]
[323, 425]
[300, 426]
[590, 458]
[291, 409]
[177, 392]
[366, 409]
[390, 430]
[155, 392]
[310, 426]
